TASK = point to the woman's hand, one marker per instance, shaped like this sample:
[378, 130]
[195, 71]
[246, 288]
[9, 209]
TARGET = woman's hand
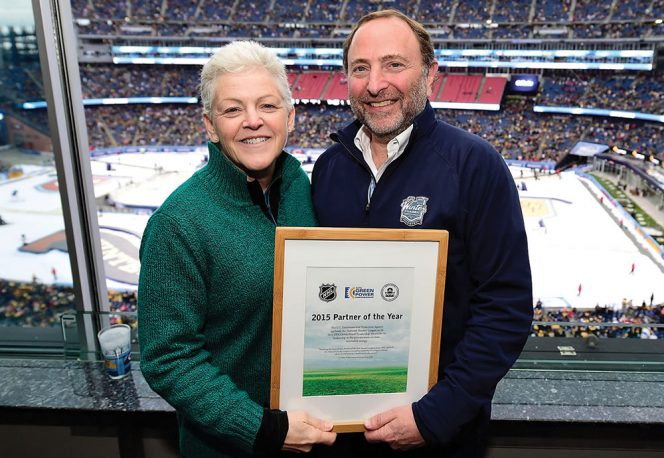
[304, 431]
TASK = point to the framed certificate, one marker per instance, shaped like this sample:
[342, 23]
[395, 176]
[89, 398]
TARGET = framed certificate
[357, 320]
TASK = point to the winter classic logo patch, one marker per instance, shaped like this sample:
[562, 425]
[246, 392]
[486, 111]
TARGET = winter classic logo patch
[413, 209]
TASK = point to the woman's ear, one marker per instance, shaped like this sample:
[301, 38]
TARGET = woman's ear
[209, 128]
[291, 120]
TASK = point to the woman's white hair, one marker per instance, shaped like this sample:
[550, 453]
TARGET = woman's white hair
[239, 56]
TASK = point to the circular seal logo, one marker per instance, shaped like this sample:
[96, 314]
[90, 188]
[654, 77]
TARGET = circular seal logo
[389, 292]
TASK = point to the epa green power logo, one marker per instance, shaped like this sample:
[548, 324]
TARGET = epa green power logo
[357, 292]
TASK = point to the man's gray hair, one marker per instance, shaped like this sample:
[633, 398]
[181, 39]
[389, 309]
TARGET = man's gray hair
[239, 56]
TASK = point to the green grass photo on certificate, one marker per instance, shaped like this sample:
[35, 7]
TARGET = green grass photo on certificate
[331, 382]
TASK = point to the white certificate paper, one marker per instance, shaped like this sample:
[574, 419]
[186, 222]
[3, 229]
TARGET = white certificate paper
[357, 320]
[357, 330]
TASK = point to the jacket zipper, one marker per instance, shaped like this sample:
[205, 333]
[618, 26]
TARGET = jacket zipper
[372, 183]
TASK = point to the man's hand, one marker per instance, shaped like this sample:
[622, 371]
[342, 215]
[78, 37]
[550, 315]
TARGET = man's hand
[396, 427]
[305, 431]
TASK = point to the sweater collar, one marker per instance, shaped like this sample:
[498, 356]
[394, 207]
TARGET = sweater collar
[229, 181]
[226, 179]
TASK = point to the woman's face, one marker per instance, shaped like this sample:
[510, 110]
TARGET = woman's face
[251, 121]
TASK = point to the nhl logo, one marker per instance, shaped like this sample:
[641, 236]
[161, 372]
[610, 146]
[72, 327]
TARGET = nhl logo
[327, 293]
[413, 210]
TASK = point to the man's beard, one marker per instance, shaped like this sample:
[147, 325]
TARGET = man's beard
[401, 120]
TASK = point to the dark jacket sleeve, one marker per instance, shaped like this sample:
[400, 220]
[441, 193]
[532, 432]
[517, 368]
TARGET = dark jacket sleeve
[500, 302]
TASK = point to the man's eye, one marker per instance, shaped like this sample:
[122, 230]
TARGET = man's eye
[395, 65]
[359, 69]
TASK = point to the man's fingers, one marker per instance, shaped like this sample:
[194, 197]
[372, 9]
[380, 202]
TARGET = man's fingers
[378, 428]
[377, 435]
[396, 427]
[379, 420]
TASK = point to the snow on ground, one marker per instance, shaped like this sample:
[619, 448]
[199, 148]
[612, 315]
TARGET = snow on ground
[572, 239]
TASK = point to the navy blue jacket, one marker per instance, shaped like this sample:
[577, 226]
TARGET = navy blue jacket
[469, 192]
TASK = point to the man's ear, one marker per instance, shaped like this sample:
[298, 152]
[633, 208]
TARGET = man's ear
[209, 128]
[431, 77]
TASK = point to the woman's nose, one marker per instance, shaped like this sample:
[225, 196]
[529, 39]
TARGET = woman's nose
[253, 119]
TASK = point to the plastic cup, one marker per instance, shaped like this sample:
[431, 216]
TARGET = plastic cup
[115, 343]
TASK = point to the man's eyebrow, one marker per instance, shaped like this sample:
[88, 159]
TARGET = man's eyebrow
[384, 58]
[392, 57]
[358, 61]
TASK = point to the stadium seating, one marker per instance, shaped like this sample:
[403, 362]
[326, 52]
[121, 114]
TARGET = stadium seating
[264, 18]
[310, 85]
[492, 90]
[40, 305]
[523, 133]
[460, 88]
[516, 131]
[337, 88]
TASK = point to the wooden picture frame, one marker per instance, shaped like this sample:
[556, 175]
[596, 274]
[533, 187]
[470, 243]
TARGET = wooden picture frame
[357, 320]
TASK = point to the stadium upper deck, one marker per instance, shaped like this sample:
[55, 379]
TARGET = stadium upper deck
[461, 20]
[538, 24]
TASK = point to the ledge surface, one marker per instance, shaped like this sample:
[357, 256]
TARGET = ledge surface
[523, 395]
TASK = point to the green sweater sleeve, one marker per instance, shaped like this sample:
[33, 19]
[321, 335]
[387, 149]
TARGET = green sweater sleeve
[174, 359]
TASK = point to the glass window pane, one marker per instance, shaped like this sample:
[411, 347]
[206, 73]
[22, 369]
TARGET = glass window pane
[36, 283]
[580, 254]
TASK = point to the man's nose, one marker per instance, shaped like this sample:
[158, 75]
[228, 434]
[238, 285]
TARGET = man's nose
[377, 81]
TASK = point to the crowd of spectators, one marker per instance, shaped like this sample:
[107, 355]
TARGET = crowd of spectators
[460, 31]
[625, 321]
[20, 83]
[516, 131]
[112, 81]
[263, 18]
[35, 304]
[426, 11]
[552, 11]
[141, 125]
[643, 92]
[591, 10]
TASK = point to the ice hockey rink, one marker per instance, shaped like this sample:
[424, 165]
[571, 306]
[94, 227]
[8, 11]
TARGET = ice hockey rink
[573, 238]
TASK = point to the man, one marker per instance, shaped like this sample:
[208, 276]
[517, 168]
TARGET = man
[397, 166]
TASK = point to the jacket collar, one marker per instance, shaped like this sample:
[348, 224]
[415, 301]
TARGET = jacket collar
[422, 125]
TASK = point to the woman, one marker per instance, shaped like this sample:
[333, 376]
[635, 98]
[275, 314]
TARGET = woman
[205, 290]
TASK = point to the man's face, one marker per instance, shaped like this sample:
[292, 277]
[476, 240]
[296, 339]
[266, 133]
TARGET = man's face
[387, 83]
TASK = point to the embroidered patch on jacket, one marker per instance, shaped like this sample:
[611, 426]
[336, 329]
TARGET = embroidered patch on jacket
[413, 210]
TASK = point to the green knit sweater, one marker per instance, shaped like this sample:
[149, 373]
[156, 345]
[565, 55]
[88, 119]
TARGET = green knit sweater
[205, 302]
